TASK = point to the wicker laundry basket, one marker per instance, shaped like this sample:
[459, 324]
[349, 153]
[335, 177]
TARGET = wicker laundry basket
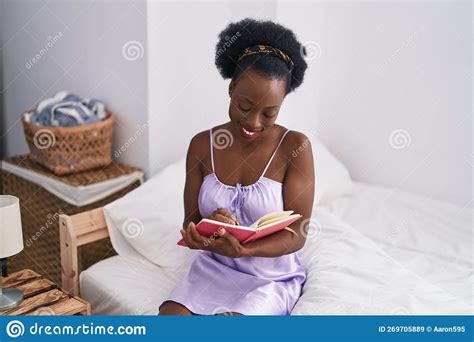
[65, 150]
[40, 211]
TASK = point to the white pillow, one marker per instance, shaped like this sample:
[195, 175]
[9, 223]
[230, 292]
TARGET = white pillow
[332, 177]
[147, 220]
[348, 274]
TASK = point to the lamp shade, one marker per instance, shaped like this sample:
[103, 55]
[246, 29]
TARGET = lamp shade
[11, 235]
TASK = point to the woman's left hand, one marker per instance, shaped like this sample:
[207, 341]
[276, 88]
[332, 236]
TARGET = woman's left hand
[222, 243]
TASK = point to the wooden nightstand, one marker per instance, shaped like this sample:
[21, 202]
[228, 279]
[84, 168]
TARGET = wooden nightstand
[42, 297]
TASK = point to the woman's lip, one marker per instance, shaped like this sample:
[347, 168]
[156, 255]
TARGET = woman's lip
[248, 134]
[251, 129]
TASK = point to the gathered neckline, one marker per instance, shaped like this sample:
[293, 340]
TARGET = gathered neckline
[242, 186]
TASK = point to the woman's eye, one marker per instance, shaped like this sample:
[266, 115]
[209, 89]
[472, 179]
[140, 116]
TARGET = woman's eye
[269, 115]
[244, 109]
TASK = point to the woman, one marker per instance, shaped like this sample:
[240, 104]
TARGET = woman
[254, 173]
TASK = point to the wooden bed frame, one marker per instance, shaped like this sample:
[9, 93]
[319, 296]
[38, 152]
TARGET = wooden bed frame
[75, 231]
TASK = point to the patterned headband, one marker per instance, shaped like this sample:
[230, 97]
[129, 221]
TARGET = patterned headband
[269, 50]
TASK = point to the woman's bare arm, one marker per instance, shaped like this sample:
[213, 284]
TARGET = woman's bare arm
[194, 179]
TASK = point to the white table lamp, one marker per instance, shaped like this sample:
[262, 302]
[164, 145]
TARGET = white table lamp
[11, 243]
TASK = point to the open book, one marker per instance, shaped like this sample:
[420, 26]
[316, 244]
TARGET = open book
[266, 225]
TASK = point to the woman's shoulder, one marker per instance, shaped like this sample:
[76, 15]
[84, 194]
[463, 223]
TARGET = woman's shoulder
[295, 142]
[199, 143]
[199, 138]
[295, 138]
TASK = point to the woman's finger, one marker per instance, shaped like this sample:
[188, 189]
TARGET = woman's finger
[185, 237]
[235, 220]
[189, 236]
[231, 216]
[223, 218]
[222, 211]
[197, 237]
[227, 219]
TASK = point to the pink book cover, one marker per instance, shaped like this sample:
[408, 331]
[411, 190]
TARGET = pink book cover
[244, 234]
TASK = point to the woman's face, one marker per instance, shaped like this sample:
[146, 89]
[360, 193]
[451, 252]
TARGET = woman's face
[254, 104]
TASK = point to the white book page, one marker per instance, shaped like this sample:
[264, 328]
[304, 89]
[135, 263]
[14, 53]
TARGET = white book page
[272, 222]
[271, 218]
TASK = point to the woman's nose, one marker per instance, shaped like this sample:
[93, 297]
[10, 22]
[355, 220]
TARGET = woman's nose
[253, 120]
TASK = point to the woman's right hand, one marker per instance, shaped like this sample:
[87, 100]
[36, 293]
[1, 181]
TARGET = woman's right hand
[223, 215]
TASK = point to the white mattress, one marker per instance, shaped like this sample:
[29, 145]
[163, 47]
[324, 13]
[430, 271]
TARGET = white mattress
[377, 251]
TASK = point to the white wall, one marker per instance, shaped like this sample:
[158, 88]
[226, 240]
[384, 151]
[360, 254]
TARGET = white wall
[87, 59]
[405, 66]
[384, 67]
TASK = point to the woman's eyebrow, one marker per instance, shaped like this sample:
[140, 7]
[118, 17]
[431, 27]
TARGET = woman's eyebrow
[250, 101]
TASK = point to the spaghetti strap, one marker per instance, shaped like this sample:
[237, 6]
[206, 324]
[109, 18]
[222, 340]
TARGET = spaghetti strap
[212, 148]
[274, 152]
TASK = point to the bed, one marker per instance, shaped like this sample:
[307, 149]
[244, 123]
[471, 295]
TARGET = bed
[375, 250]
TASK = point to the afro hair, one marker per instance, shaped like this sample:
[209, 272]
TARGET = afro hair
[248, 32]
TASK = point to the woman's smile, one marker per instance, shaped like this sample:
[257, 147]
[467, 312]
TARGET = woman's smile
[248, 133]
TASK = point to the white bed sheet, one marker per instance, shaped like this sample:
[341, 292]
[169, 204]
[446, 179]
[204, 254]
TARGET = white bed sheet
[126, 286]
[433, 239]
[370, 255]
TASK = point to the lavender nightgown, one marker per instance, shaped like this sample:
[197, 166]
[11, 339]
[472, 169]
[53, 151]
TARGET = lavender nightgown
[247, 285]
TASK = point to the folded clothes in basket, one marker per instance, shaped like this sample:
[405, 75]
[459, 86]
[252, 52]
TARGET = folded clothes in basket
[66, 109]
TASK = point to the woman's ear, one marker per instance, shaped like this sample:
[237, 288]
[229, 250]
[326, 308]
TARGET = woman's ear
[231, 88]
